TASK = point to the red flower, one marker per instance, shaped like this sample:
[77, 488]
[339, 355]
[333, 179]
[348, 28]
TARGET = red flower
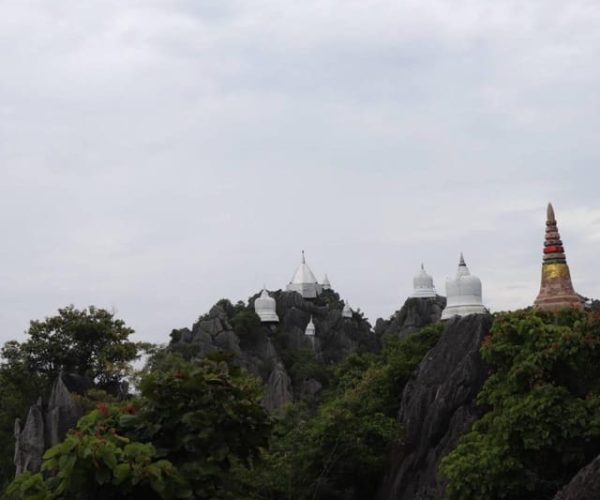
[130, 409]
[103, 409]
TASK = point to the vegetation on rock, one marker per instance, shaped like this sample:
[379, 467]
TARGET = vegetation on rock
[342, 445]
[179, 439]
[543, 396]
[89, 342]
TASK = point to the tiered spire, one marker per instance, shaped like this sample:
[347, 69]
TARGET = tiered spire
[556, 291]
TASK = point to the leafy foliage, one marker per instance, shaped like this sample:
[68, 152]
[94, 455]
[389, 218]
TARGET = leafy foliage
[342, 447]
[544, 400]
[178, 440]
[201, 417]
[89, 342]
[96, 461]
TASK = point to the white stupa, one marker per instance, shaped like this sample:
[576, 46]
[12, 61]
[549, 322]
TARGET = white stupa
[310, 328]
[326, 285]
[423, 285]
[347, 311]
[304, 281]
[463, 293]
[266, 308]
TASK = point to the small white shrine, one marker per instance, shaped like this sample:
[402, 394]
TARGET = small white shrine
[347, 311]
[266, 308]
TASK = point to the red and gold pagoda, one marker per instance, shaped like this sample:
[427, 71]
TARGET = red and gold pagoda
[556, 291]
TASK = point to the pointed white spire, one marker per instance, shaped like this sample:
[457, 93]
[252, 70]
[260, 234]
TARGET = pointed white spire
[304, 281]
[326, 285]
[310, 328]
[347, 310]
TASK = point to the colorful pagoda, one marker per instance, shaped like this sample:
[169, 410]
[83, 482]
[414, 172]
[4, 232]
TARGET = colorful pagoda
[556, 291]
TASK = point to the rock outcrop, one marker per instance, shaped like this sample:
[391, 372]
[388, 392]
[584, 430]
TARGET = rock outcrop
[47, 426]
[584, 486]
[438, 407]
[273, 351]
[415, 314]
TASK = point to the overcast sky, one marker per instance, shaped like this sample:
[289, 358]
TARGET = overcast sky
[156, 156]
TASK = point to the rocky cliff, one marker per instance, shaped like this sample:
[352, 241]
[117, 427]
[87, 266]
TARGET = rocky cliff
[281, 354]
[584, 486]
[437, 407]
[47, 425]
[416, 313]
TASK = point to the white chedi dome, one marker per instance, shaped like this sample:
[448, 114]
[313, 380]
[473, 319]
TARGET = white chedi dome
[304, 281]
[326, 285]
[463, 293]
[423, 285]
[266, 308]
[347, 311]
[310, 328]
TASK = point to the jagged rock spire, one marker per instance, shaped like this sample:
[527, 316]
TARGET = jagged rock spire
[556, 290]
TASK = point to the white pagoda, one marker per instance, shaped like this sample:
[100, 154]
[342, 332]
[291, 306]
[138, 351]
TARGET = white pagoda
[304, 281]
[463, 293]
[423, 285]
[266, 308]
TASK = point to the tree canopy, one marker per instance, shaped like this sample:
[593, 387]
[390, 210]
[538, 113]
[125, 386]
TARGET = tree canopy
[544, 401]
[179, 439]
[89, 342]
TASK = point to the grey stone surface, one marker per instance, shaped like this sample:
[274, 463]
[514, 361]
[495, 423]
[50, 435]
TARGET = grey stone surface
[46, 427]
[30, 440]
[438, 407]
[415, 314]
[62, 413]
[265, 354]
[584, 486]
[279, 388]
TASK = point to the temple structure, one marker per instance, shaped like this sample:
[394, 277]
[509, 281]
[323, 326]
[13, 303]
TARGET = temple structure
[463, 293]
[423, 285]
[304, 281]
[556, 290]
[347, 311]
[310, 328]
[326, 285]
[266, 308]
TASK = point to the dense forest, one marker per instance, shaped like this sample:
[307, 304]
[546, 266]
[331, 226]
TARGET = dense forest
[481, 407]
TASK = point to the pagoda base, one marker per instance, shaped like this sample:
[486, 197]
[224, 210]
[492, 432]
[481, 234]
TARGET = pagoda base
[463, 310]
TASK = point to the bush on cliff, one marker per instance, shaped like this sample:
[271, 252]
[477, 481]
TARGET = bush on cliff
[343, 446]
[178, 440]
[544, 401]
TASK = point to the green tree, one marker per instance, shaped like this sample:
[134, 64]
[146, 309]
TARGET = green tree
[202, 417]
[179, 439]
[89, 342]
[97, 461]
[544, 400]
[340, 449]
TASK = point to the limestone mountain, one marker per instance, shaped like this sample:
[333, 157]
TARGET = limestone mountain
[291, 365]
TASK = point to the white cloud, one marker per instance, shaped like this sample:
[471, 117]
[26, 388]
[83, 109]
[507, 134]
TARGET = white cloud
[156, 156]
